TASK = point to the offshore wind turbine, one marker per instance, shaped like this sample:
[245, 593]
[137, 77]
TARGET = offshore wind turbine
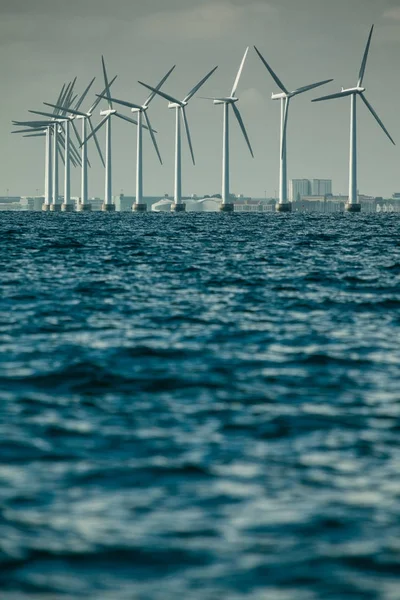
[228, 101]
[47, 126]
[180, 114]
[141, 111]
[110, 112]
[75, 113]
[358, 91]
[285, 96]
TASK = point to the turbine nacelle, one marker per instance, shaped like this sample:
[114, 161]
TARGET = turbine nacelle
[280, 96]
[109, 111]
[177, 104]
[354, 90]
[228, 100]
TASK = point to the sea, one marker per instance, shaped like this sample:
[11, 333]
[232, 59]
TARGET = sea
[199, 406]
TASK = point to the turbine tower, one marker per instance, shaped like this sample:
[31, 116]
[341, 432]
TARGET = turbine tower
[228, 101]
[141, 111]
[180, 115]
[75, 113]
[285, 96]
[358, 91]
[110, 112]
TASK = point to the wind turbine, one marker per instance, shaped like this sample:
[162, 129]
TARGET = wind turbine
[228, 101]
[180, 114]
[110, 112]
[47, 127]
[141, 111]
[353, 205]
[75, 113]
[285, 96]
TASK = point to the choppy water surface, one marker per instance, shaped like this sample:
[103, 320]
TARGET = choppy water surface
[199, 407]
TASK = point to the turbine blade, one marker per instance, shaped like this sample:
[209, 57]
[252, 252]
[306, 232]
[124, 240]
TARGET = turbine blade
[93, 132]
[34, 123]
[32, 135]
[122, 102]
[368, 105]
[78, 137]
[306, 88]
[239, 73]
[332, 96]
[69, 110]
[96, 141]
[97, 101]
[58, 101]
[364, 60]
[29, 130]
[81, 99]
[160, 93]
[106, 83]
[186, 125]
[285, 122]
[153, 138]
[126, 119]
[271, 72]
[44, 114]
[163, 80]
[198, 85]
[242, 127]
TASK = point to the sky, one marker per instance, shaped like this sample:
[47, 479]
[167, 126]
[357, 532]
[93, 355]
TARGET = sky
[44, 43]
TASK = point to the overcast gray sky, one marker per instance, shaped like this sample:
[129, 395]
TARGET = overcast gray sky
[46, 42]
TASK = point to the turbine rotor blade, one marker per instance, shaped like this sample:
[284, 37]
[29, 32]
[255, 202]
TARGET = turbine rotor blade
[271, 72]
[124, 118]
[186, 125]
[97, 101]
[236, 83]
[93, 132]
[160, 93]
[44, 114]
[153, 138]
[96, 141]
[32, 135]
[285, 122]
[122, 102]
[198, 85]
[364, 60]
[106, 83]
[332, 96]
[29, 130]
[242, 127]
[306, 88]
[368, 105]
[83, 96]
[69, 110]
[158, 86]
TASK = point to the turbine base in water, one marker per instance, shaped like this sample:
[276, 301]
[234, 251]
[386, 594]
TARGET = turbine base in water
[67, 207]
[108, 207]
[352, 207]
[139, 207]
[181, 207]
[283, 207]
[55, 207]
[83, 207]
[227, 207]
[45, 207]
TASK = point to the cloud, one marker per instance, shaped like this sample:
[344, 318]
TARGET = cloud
[392, 14]
[204, 21]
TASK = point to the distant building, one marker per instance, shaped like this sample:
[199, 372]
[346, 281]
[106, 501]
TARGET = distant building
[124, 203]
[31, 202]
[321, 187]
[299, 188]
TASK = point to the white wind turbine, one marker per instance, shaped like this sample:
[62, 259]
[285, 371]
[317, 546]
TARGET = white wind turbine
[71, 153]
[141, 111]
[37, 128]
[180, 113]
[75, 113]
[108, 114]
[353, 205]
[228, 101]
[285, 96]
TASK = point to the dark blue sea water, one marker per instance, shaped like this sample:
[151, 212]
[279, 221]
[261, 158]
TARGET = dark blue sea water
[199, 407]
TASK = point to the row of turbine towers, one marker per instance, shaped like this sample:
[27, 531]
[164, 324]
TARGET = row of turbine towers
[67, 108]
